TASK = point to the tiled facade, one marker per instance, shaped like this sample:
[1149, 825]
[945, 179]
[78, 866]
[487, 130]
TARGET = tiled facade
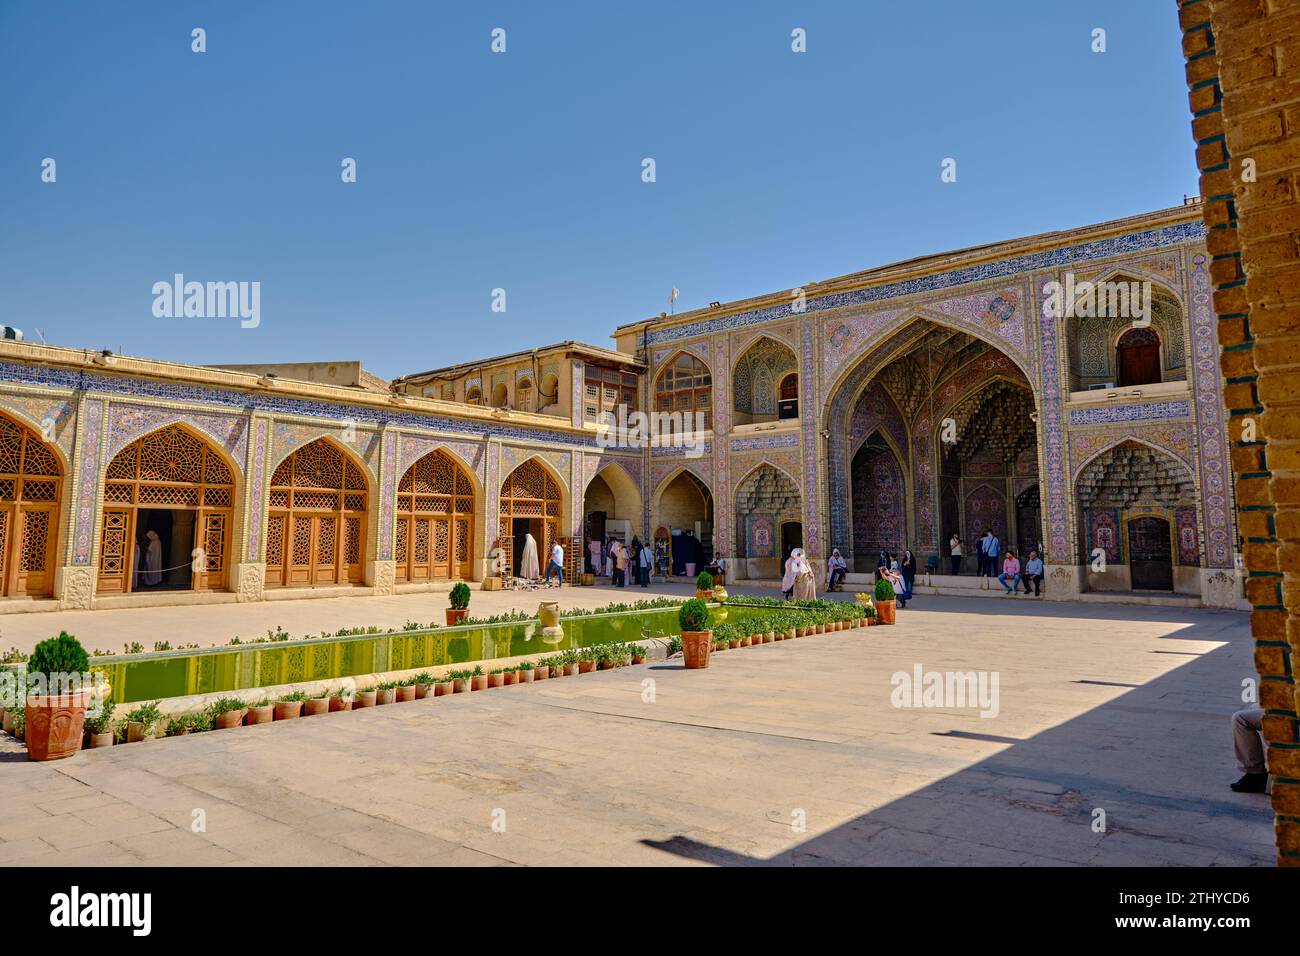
[91, 408]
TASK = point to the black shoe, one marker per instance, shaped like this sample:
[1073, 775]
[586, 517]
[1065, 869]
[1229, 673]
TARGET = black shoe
[1251, 783]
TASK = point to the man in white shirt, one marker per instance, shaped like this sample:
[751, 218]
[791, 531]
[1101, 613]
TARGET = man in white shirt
[646, 561]
[556, 565]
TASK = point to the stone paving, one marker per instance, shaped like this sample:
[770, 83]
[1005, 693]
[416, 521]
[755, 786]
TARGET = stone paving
[1119, 709]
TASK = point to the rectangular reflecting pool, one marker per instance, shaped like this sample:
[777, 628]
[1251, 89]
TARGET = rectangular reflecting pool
[138, 677]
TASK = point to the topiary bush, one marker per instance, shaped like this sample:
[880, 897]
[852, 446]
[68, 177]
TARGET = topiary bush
[56, 656]
[460, 596]
[704, 581]
[694, 615]
[884, 590]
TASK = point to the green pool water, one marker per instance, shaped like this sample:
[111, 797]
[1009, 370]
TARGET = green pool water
[138, 677]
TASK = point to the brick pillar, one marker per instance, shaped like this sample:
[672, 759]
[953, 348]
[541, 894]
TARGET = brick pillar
[1245, 101]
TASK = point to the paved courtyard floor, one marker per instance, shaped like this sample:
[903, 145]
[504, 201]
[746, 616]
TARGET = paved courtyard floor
[789, 753]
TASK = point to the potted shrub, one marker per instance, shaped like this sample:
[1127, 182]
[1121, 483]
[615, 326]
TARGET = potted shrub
[423, 684]
[587, 658]
[638, 654]
[289, 706]
[541, 670]
[460, 681]
[693, 617]
[198, 722]
[884, 602]
[406, 691]
[704, 586]
[385, 693]
[459, 603]
[262, 712]
[341, 699]
[444, 685]
[99, 725]
[20, 723]
[141, 721]
[228, 712]
[509, 675]
[316, 704]
[54, 720]
[869, 615]
[496, 677]
[176, 727]
[570, 659]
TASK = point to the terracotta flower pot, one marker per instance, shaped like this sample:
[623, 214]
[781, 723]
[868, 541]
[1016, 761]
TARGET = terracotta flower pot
[9, 722]
[257, 715]
[496, 680]
[525, 677]
[769, 637]
[365, 698]
[101, 740]
[456, 615]
[571, 670]
[604, 665]
[135, 731]
[405, 693]
[386, 695]
[542, 672]
[734, 642]
[586, 667]
[55, 725]
[460, 685]
[774, 636]
[640, 658]
[315, 707]
[695, 648]
[511, 677]
[230, 719]
[442, 688]
[340, 703]
[478, 682]
[288, 709]
[885, 612]
[704, 595]
[423, 690]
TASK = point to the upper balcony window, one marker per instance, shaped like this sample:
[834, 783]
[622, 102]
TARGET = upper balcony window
[604, 389]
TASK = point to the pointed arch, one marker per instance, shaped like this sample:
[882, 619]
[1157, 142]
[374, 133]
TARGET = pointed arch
[1089, 341]
[878, 486]
[684, 386]
[756, 378]
[1129, 439]
[434, 533]
[318, 516]
[168, 521]
[32, 493]
[533, 500]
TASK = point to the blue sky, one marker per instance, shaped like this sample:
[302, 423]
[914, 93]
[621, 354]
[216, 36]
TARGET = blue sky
[522, 170]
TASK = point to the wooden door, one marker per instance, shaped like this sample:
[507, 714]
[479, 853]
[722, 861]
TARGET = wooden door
[1139, 365]
[1150, 550]
[117, 551]
[33, 550]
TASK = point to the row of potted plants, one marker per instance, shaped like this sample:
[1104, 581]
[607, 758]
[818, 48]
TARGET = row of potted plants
[145, 721]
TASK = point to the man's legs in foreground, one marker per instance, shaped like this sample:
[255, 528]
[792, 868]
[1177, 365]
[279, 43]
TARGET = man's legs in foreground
[1249, 748]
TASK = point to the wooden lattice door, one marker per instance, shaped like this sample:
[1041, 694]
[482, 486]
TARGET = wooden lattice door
[316, 522]
[30, 486]
[170, 470]
[530, 492]
[435, 521]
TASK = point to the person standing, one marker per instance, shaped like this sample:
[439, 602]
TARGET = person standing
[624, 562]
[556, 565]
[597, 566]
[954, 551]
[908, 570]
[1033, 572]
[528, 569]
[1010, 576]
[646, 559]
[805, 585]
[787, 582]
[993, 548]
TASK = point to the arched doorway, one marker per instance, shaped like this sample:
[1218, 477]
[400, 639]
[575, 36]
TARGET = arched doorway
[769, 515]
[31, 484]
[1151, 554]
[316, 524]
[1130, 496]
[1029, 521]
[684, 506]
[1137, 357]
[531, 503]
[611, 509]
[176, 487]
[879, 502]
[435, 521]
[763, 376]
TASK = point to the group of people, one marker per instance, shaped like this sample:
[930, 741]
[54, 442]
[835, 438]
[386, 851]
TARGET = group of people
[987, 550]
[617, 560]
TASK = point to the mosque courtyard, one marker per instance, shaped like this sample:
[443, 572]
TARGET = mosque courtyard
[1108, 743]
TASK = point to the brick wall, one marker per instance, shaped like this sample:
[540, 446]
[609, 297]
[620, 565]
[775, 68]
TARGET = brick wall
[1243, 76]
